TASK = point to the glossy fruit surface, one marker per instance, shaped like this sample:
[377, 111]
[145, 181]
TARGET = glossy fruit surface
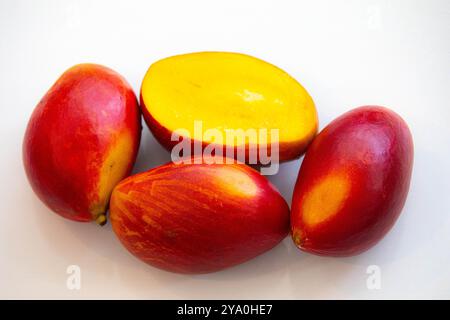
[81, 140]
[198, 218]
[353, 183]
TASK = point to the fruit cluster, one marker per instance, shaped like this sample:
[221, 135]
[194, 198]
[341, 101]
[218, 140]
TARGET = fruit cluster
[203, 216]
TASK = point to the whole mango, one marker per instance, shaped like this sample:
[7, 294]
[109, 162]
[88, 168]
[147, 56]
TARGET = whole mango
[198, 218]
[81, 140]
[353, 183]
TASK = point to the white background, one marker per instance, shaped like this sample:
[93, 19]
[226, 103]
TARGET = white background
[346, 53]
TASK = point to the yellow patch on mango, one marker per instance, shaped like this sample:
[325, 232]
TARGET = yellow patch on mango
[325, 198]
[113, 170]
[235, 182]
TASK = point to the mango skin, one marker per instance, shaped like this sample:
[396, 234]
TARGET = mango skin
[367, 156]
[198, 218]
[82, 138]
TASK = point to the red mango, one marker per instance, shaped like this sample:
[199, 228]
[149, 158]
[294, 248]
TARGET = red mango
[353, 183]
[81, 140]
[198, 218]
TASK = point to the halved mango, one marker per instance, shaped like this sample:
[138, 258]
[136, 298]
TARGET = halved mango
[227, 91]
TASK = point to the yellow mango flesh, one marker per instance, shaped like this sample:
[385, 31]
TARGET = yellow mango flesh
[228, 91]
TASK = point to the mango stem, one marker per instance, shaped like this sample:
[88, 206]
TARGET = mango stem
[101, 220]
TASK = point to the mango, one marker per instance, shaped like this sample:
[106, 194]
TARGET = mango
[226, 92]
[81, 140]
[353, 183]
[198, 218]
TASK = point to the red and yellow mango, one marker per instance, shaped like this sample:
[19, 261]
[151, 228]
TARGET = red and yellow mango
[198, 218]
[81, 140]
[353, 183]
[227, 91]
